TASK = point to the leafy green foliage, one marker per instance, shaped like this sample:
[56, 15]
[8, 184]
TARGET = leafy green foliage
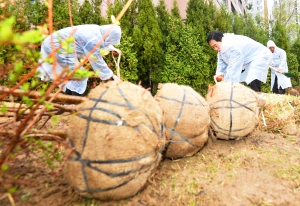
[201, 16]
[4, 167]
[149, 42]
[294, 65]
[223, 20]
[25, 197]
[186, 63]
[164, 19]
[285, 14]
[89, 12]
[279, 36]
[36, 12]
[147, 39]
[51, 153]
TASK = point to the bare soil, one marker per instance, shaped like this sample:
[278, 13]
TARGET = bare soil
[261, 169]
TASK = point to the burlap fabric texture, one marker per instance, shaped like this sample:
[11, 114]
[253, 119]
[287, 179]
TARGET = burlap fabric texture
[233, 110]
[186, 119]
[118, 138]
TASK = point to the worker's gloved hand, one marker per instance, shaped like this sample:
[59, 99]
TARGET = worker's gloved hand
[116, 52]
[116, 78]
[219, 78]
[112, 78]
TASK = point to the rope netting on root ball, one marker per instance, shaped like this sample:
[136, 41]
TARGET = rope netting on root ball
[118, 138]
[281, 113]
[234, 110]
[186, 119]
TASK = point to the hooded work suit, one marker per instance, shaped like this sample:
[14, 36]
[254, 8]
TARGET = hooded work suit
[86, 37]
[279, 62]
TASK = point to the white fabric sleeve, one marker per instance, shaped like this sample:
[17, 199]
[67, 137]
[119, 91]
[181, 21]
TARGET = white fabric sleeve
[283, 63]
[235, 65]
[221, 68]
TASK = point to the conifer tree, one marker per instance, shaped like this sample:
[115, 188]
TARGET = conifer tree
[201, 18]
[186, 61]
[147, 39]
[90, 12]
[223, 20]
[200, 15]
[36, 12]
[262, 34]
[175, 10]
[238, 24]
[129, 19]
[295, 49]
[279, 36]
[255, 29]
[128, 63]
[61, 17]
[294, 66]
[163, 21]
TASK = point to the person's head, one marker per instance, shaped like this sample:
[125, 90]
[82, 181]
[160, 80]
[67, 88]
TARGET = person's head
[214, 39]
[271, 45]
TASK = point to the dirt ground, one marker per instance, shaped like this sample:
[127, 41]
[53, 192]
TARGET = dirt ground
[261, 169]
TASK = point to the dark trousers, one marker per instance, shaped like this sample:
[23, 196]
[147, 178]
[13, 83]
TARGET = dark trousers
[256, 85]
[69, 92]
[275, 87]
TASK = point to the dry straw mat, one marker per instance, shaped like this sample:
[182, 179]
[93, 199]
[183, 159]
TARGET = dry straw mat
[234, 110]
[117, 137]
[281, 113]
[186, 119]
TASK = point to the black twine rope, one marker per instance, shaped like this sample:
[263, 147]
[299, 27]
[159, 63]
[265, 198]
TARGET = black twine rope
[89, 163]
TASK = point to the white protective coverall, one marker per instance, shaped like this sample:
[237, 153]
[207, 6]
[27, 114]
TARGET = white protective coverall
[86, 37]
[240, 53]
[279, 62]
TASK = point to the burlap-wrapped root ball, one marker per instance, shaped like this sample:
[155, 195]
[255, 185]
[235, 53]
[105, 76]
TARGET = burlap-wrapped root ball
[234, 110]
[186, 119]
[118, 139]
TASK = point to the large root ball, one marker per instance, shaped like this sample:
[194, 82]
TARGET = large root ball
[234, 110]
[186, 119]
[118, 138]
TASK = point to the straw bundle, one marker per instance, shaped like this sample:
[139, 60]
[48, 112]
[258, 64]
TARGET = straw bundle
[118, 139]
[293, 92]
[186, 119]
[281, 113]
[233, 110]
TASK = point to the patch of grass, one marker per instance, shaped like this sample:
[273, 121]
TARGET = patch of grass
[192, 202]
[212, 169]
[192, 171]
[173, 183]
[285, 163]
[291, 138]
[191, 188]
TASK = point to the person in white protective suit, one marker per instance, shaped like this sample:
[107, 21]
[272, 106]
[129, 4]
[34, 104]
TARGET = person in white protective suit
[240, 59]
[279, 82]
[86, 37]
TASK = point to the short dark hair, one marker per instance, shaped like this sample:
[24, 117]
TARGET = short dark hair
[215, 35]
